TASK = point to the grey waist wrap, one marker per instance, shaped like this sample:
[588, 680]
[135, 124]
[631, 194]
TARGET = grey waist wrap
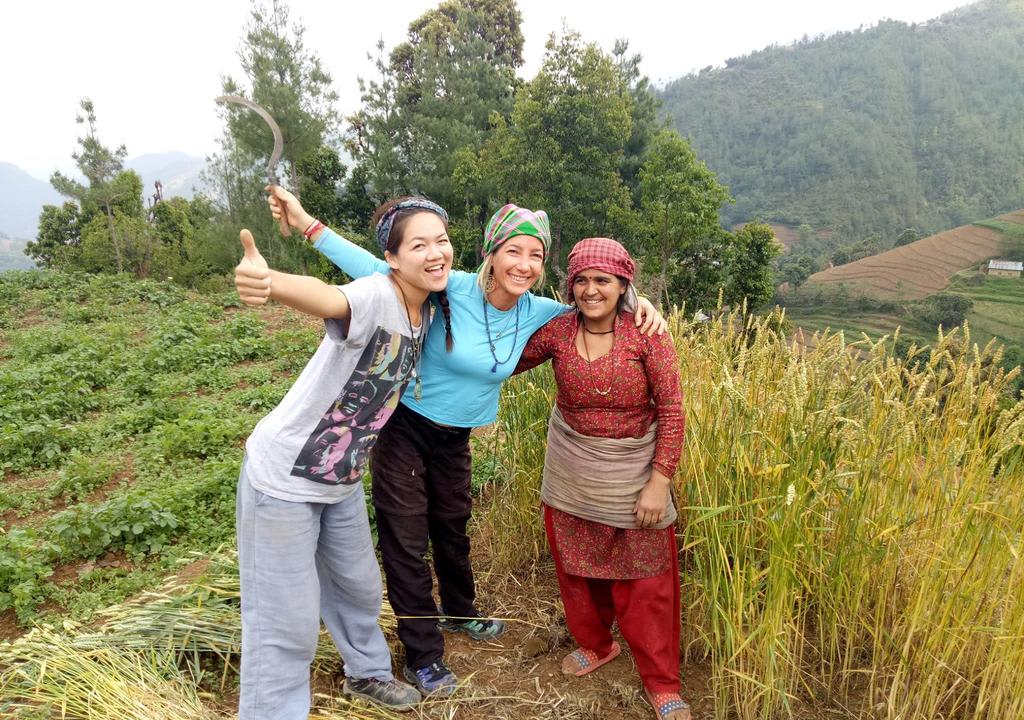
[596, 478]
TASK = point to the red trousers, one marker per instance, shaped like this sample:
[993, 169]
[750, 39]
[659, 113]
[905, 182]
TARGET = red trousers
[647, 611]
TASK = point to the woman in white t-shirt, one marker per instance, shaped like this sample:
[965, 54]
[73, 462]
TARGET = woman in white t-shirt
[304, 545]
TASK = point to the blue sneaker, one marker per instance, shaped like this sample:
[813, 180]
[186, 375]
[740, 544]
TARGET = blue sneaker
[433, 679]
[480, 628]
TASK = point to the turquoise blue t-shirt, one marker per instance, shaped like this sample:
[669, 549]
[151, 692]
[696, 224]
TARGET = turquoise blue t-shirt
[458, 388]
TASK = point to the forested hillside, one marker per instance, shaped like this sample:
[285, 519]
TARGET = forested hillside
[870, 131]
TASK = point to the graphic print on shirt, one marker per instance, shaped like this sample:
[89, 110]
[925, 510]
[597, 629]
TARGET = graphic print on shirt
[336, 450]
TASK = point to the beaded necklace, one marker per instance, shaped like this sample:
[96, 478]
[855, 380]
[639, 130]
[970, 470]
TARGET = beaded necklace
[490, 340]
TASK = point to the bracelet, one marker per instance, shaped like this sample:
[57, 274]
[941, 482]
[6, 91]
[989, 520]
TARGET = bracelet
[314, 227]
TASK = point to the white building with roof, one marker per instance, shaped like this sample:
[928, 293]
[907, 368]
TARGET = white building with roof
[1005, 268]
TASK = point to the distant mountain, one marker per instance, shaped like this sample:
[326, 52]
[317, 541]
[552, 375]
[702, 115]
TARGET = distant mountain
[22, 196]
[176, 171]
[12, 254]
[21, 199]
[870, 131]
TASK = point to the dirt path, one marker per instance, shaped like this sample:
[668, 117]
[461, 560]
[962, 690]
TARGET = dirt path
[518, 676]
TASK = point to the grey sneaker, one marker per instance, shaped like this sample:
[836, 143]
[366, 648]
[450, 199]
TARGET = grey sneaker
[393, 694]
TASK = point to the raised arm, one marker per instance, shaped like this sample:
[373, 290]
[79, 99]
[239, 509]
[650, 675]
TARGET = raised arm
[257, 283]
[353, 260]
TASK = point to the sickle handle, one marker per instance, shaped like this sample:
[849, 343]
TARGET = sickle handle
[282, 223]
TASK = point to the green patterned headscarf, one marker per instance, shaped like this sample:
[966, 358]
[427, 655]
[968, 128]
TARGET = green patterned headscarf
[513, 220]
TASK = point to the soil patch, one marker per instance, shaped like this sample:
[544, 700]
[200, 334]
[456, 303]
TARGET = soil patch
[9, 628]
[279, 317]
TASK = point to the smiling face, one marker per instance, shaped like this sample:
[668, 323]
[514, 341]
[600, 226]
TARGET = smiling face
[424, 256]
[596, 294]
[517, 264]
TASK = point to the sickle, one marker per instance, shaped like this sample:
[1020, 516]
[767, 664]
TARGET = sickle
[275, 156]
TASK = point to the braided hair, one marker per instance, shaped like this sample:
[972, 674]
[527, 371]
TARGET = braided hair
[442, 300]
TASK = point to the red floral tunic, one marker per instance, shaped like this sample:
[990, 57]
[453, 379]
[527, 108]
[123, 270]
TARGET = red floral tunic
[642, 376]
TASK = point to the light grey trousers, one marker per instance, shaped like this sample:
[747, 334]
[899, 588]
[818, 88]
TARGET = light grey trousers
[300, 562]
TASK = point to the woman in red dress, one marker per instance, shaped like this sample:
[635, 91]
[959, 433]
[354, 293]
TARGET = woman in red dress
[614, 441]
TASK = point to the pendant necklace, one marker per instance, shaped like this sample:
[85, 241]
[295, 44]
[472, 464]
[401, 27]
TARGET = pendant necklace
[417, 343]
[508, 323]
[586, 350]
[490, 340]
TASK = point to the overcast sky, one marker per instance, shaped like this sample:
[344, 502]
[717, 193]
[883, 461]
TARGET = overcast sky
[153, 68]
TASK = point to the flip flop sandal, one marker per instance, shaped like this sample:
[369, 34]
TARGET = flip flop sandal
[587, 661]
[666, 703]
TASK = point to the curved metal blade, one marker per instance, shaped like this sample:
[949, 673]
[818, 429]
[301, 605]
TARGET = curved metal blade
[275, 156]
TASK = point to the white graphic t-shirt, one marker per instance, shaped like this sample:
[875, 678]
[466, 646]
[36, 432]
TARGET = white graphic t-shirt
[313, 446]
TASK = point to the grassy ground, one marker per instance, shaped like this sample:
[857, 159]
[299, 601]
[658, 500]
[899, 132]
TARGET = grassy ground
[124, 406]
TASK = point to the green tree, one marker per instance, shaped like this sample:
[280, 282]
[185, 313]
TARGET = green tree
[288, 80]
[643, 115]
[906, 237]
[680, 202]
[434, 99]
[374, 136]
[59, 233]
[806, 234]
[795, 268]
[106, 190]
[564, 145]
[320, 175]
[108, 229]
[842, 255]
[944, 309]
[750, 272]
[97, 254]
[355, 204]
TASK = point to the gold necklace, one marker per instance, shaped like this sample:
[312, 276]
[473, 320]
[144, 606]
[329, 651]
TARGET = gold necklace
[586, 350]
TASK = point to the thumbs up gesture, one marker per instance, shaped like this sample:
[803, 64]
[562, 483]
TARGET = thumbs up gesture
[252, 276]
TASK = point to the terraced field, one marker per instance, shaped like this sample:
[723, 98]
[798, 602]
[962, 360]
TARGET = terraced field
[998, 312]
[1017, 216]
[922, 268]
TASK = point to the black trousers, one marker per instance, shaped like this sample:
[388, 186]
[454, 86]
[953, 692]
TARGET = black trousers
[421, 477]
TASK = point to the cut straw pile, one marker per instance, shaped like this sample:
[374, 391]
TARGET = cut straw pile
[166, 655]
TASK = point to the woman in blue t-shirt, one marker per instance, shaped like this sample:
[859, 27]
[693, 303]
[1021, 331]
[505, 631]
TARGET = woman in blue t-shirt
[422, 466]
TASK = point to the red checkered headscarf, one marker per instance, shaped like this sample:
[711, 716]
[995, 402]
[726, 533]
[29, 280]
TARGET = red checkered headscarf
[602, 254]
